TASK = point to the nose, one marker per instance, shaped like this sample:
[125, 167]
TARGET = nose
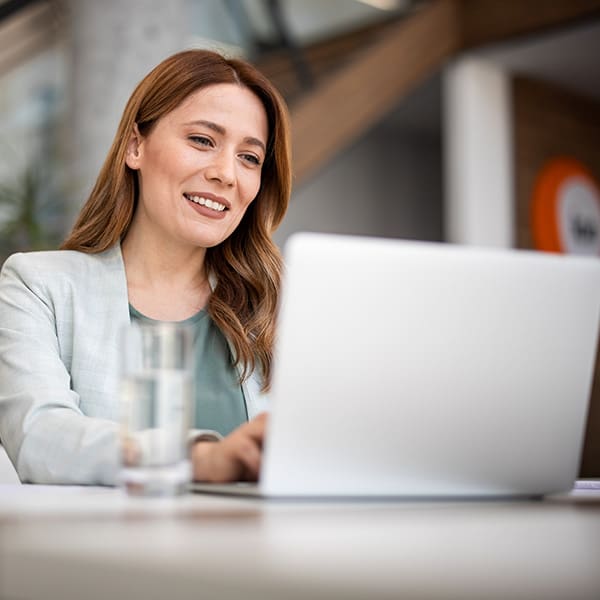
[221, 168]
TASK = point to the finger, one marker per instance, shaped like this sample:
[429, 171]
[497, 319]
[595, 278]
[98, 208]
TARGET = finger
[238, 456]
[263, 416]
[249, 456]
[255, 428]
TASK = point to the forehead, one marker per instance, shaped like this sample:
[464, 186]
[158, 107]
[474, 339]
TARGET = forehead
[232, 106]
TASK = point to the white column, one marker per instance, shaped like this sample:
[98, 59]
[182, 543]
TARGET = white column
[114, 43]
[478, 154]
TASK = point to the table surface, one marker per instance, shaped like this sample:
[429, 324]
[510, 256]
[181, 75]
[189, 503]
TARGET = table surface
[73, 542]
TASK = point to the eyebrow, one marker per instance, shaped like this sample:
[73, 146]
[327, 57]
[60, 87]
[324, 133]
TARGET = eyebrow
[221, 131]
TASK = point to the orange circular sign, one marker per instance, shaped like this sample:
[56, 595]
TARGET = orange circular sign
[565, 209]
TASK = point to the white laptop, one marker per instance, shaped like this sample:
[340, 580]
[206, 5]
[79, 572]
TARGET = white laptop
[412, 369]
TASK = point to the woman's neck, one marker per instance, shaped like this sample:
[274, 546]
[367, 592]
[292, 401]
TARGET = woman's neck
[165, 281]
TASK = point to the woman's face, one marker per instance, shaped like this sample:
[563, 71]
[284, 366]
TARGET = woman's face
[200, 166]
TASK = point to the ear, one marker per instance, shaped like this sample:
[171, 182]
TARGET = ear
[132, 158]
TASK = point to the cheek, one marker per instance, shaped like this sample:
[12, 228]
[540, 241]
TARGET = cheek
[167, 163]
[251, 188]
[152, 172]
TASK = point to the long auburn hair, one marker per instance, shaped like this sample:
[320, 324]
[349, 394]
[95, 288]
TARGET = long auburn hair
[247, 265]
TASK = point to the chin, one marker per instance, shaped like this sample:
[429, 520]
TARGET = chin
[208, 242]
[206, 238]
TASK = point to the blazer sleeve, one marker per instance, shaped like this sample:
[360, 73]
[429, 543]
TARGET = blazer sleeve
[45, 433]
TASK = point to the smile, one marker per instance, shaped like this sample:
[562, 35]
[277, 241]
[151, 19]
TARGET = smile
[212, 204]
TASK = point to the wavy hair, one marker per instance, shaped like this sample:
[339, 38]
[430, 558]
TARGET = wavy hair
[247, 265]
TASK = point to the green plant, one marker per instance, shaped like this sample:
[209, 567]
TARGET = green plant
[31, 212]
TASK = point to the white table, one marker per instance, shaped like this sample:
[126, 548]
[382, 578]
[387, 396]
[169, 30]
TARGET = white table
[62, 543]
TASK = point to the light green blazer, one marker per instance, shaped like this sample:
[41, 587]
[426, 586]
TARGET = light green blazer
[60, 317]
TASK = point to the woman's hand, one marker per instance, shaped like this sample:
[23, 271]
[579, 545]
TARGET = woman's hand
[236, 457]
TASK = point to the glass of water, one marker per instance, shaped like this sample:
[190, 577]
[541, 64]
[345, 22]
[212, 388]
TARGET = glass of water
[157, 382]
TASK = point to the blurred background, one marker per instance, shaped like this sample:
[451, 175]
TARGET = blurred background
[465, 121]
[413, 119]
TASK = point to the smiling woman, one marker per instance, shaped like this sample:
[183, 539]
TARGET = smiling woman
[199, 168]
[177, 228]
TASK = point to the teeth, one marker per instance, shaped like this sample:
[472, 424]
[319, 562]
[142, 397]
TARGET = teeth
[206, 202]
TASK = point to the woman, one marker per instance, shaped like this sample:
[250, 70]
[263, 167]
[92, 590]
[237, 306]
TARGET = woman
[178, 227]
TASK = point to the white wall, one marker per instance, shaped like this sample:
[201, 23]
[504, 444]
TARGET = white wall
[32, 96]
[113, 45]
[388, 184]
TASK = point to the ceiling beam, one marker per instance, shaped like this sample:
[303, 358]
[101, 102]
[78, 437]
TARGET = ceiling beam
[26, 32]
[352, 100]
[362, 91]
[488, 21]
[323, 57]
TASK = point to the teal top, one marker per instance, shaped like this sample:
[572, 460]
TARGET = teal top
[219, 402]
